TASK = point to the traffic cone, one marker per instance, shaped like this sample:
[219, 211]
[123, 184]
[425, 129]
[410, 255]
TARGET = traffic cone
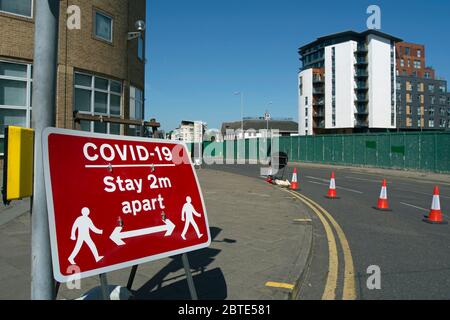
[332, 189]
[294, 183]
[435, 215]
[383, 203]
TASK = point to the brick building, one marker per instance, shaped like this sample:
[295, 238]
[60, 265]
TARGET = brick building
[101, 73]
[422, 100]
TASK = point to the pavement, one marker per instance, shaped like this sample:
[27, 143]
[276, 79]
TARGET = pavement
[258, 250]
[413, 256]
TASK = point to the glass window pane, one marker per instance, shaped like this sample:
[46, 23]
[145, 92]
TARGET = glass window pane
[85, 126]
[114, 128]
[100, 127]
[13, 93]
[11, 117]
[138, 110]
[101, 84]
[82, 100]
[139, 95]
[13, 69]
[83, 80]
[103, 26]
[115, 105]
[21, 7]
[2, 146]
[116, 87]
[101, 102]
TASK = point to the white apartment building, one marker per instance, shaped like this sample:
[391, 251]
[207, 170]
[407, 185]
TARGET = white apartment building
[190, 131]
[347, 83]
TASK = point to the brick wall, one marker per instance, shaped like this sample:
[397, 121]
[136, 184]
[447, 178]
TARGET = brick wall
[80, 50]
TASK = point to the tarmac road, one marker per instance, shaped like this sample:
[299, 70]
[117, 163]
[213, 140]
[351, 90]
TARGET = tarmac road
[413, 256]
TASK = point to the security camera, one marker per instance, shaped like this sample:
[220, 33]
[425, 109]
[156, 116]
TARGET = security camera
[140, 25]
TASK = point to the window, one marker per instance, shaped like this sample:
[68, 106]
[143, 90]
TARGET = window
[408, 86]
[419, 53]
[306, 112]
[306, 101]
[417, 64]
[15, 96]
[431, 88]
[406, 51]
[442, 89]
[98, 96]
[136, 109]
[402, 63]
[427, 75]
[17, 7]
[409, 63]
[103, 27]
[431, 123]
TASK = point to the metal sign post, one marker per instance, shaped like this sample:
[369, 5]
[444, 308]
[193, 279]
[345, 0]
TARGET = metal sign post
[44, 90]
[190, 281]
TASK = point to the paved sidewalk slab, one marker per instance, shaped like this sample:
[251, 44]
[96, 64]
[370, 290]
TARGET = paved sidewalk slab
[255, 240]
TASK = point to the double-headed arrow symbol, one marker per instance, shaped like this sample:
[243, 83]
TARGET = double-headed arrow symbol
[117, 235]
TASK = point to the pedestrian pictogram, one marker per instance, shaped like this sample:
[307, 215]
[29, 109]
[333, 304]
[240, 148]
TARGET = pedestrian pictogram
[115, 202]
[84, 225]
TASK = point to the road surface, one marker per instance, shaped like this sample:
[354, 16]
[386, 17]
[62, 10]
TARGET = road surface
[413, 256]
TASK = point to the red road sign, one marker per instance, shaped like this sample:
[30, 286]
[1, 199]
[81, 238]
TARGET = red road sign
[115, 202]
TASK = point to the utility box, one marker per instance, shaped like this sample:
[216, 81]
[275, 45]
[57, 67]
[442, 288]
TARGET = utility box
[18, 164]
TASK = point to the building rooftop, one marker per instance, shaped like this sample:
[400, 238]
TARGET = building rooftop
[348, 35]
[261, 124]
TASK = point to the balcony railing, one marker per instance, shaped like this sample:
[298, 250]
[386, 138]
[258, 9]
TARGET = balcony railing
[362, 48]
[361, 111]
[361, 124]
[319, 124]
[318, 91]
[318, 79]
[361, 61]
[362, 73]
[319, 102]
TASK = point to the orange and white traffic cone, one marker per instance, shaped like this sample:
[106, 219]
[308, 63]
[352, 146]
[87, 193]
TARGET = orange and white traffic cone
[383, 203]
[294, 183]
[332, 189]
[435, 215]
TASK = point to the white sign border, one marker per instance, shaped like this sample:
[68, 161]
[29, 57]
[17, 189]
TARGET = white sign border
[51, 211]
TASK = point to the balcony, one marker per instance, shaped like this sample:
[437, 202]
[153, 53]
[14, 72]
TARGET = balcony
[361, 124]
[319, 124]
[319, 102]
[361, 111]
[361, 61]
[361, 86]
[318, 91]
[361, 98]
[319, 114]
[361, 74]
[318, 79]
[362, 48]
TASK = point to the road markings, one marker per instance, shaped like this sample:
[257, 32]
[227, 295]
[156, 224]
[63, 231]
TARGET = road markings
[280, 285]
[307, 221]
[420, 208]
[410, 205]
[342, 188]
[331, 283]
[349, 290]
[354, 178]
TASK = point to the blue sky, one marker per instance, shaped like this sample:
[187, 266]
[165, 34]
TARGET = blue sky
[200, 52]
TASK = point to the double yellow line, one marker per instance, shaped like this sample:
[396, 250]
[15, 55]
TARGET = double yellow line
[349, 291]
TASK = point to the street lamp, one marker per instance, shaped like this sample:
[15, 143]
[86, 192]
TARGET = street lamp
[267, 118]
[242, 110]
